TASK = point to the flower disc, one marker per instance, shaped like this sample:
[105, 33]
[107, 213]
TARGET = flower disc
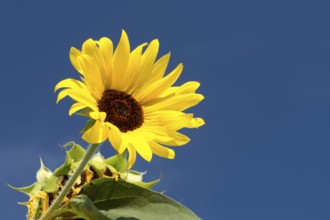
[122, 110]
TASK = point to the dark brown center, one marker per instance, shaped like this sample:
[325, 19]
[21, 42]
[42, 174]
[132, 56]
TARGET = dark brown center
[122, 110]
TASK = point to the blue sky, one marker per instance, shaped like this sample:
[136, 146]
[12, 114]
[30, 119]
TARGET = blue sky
[264, 70]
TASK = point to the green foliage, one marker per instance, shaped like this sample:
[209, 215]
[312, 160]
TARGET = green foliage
[117, 161]
[65, 168]
[107, 198]
[76, 151]
[51, 185]
[123, 200]
[73, 156]
[79, 207]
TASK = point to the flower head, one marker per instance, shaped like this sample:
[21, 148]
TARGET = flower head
[131, 102]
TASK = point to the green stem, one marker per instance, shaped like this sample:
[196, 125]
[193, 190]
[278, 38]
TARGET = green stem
[70, 182]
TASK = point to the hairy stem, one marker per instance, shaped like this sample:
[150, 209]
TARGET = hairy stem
[92, 148]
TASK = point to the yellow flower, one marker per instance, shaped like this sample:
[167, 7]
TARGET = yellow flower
[134, 105]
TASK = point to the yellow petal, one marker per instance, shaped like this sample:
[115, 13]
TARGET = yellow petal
[141, 146]
[116, 138]
[76, 92]
[132, 68]
[70, 83]
[178, 139]
[74, 54]
[131, 156]
[106, 50]
[177, 102]
[61, 95]
[96, 134]
[159, 132]
[156, 88]
[189, 87]
[162, 151]
[160, 67]
[80, 96]
[196, 122]
[174, 120]
[96, 115]
[147, 63]
[91, 48]
[120, 62]
[92, 76]
[76, 107]
[166, 136]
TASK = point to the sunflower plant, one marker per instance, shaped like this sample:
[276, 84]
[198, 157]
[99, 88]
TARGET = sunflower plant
[130, 101]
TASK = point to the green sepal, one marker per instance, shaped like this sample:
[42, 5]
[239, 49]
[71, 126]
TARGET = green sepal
[35, 217]
[88, 125]
[66, 167]
[23, 203]
[118, 161]
[76, 152]
[97, 163]
[51, 185]
[135, 177]
[112, 169]
[43, 173]
[147, 185]
[28, 190]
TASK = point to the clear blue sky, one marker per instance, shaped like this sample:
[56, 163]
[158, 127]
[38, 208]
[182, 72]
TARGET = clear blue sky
[264, 68]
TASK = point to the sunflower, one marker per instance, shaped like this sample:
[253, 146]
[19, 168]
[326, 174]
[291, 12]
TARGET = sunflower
[128, 97]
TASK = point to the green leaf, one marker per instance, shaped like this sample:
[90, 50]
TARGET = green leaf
[122, 200]
[118, 161]
[76, 152]
[65, 168]
[79, 207]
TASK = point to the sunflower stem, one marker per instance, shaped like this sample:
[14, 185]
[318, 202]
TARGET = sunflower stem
[90, 151]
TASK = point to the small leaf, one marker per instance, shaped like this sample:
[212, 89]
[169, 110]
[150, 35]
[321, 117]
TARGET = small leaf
[122, 200]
